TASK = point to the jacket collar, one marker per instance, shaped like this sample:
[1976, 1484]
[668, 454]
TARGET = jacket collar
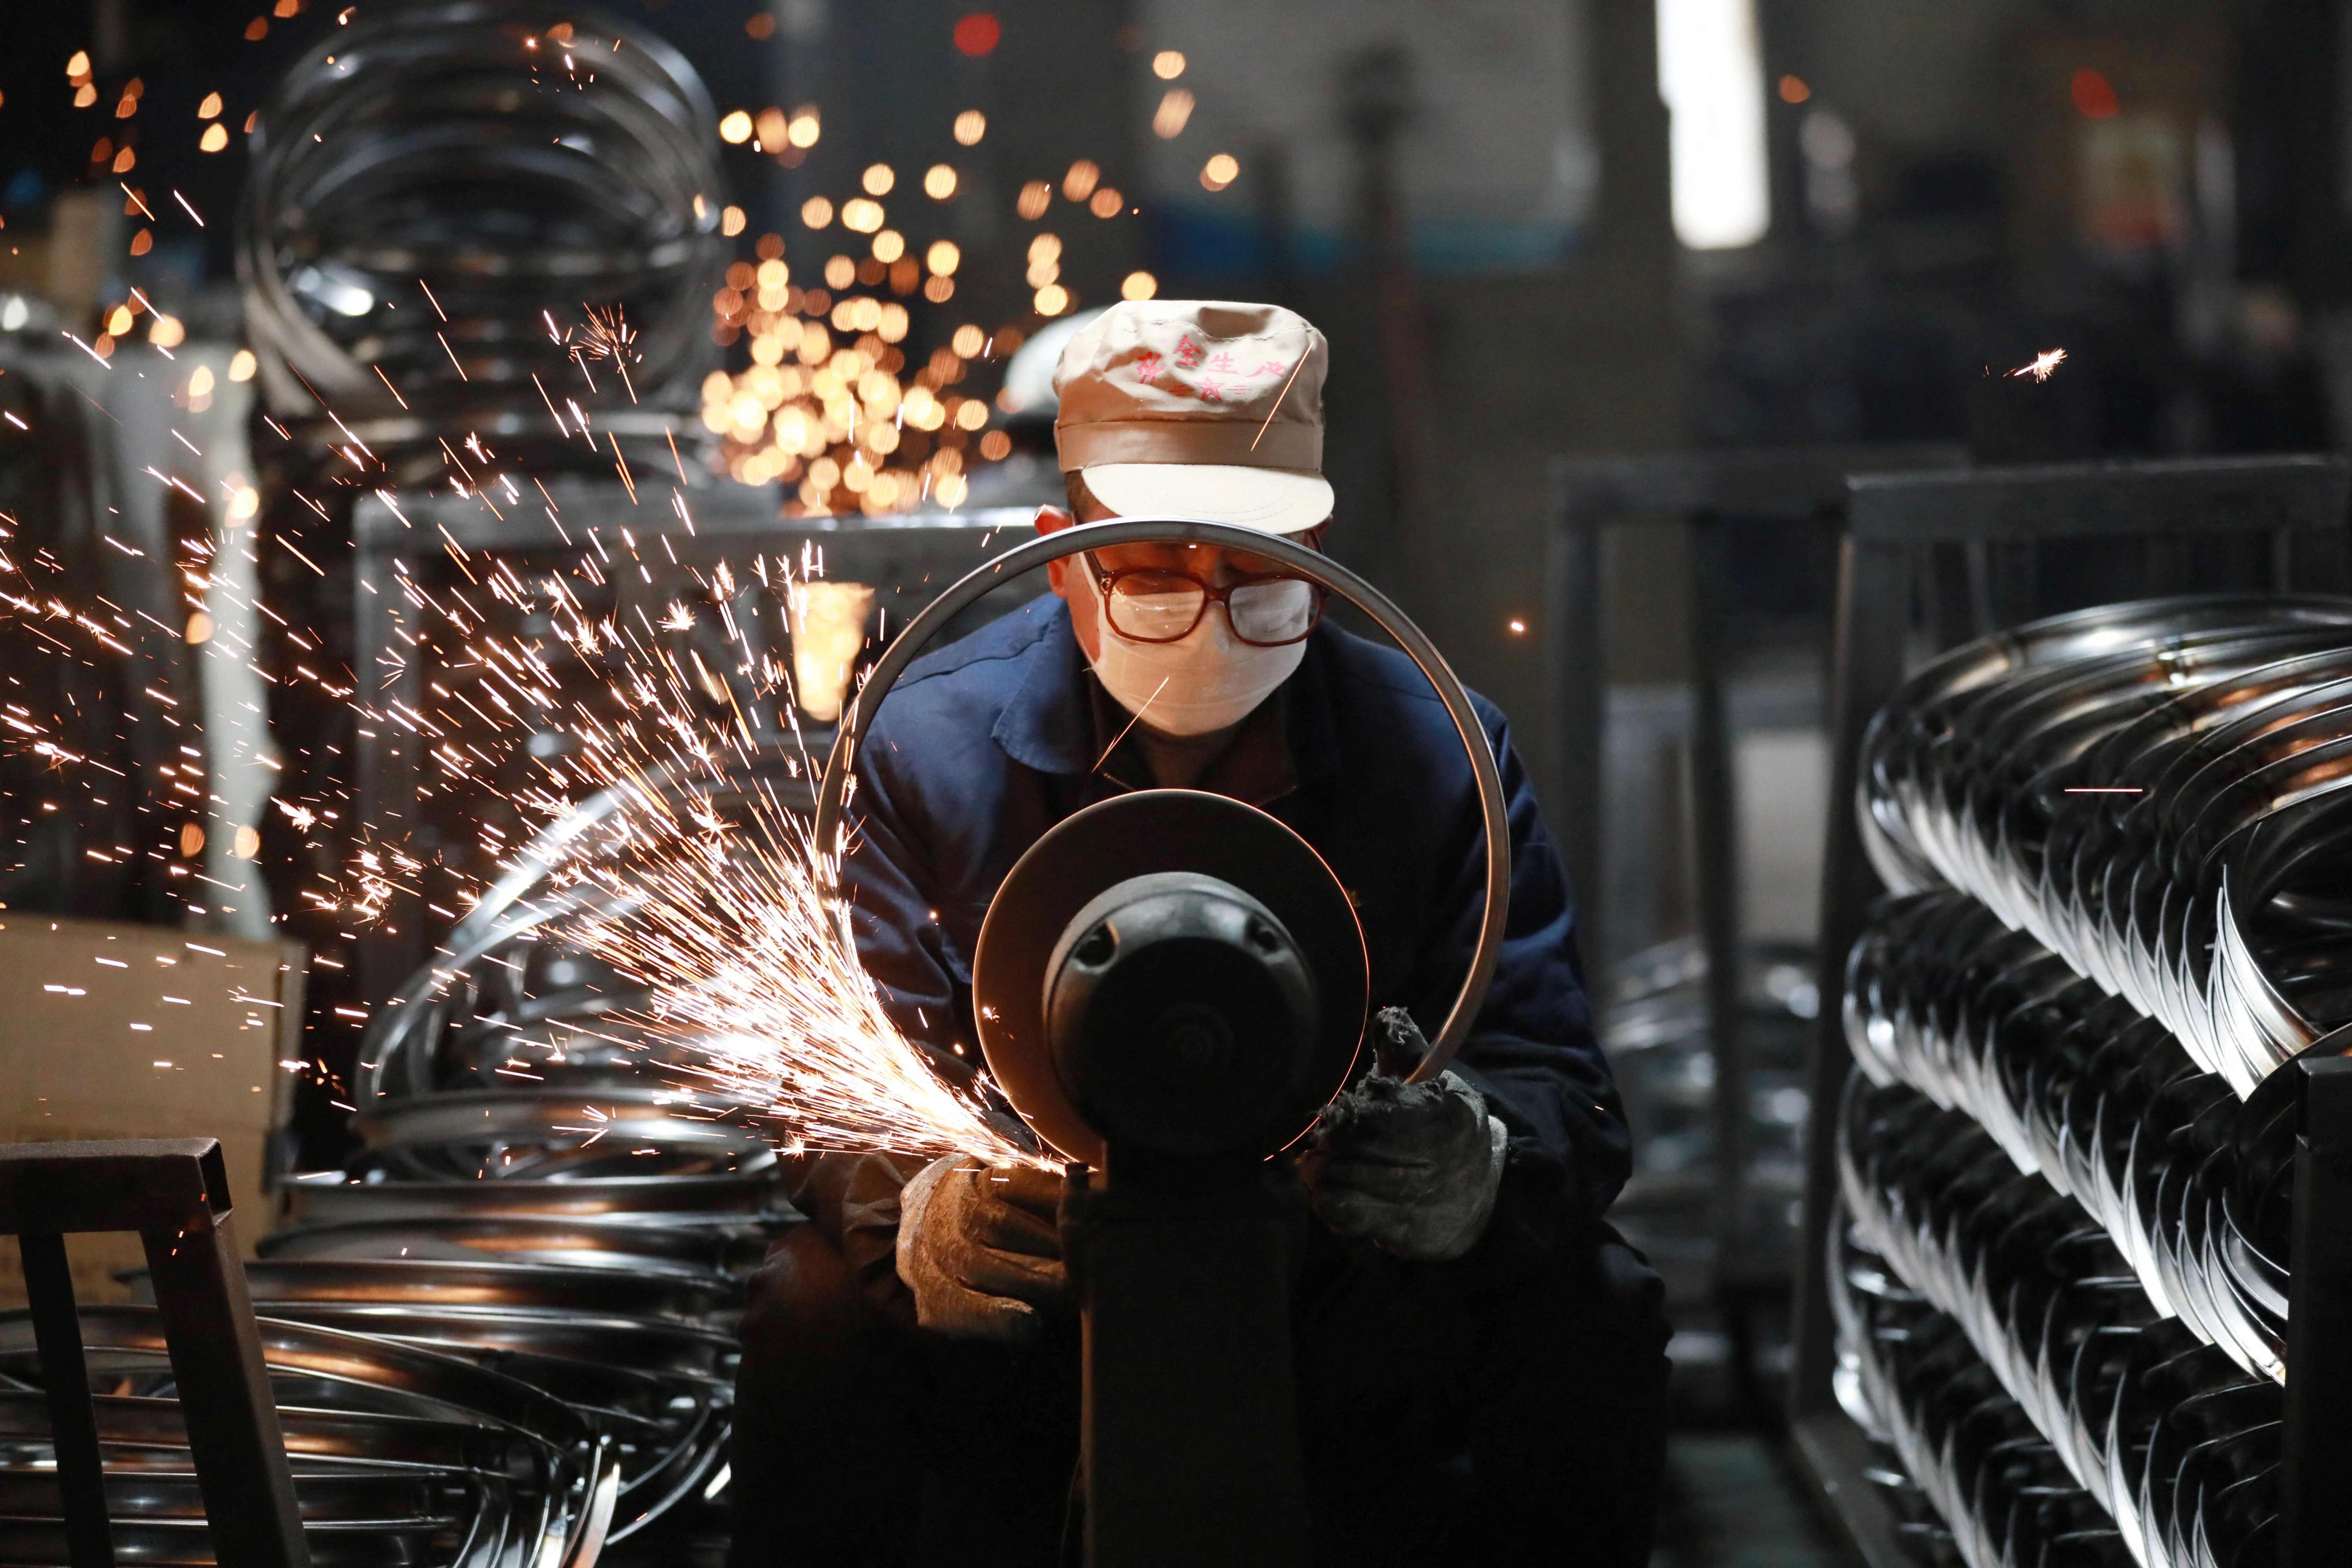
[1044, 723]
[1048, 722]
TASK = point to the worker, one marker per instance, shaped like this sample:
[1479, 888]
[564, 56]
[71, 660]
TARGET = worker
[1480, 1359]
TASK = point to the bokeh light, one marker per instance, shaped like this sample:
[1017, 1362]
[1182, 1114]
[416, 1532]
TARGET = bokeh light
[977, 34]
[1174, 112]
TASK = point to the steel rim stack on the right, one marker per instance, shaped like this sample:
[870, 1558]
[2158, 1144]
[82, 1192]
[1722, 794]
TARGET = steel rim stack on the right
[2118, 843]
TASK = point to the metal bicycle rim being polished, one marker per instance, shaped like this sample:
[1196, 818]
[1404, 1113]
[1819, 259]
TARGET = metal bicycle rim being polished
[1454, 1029]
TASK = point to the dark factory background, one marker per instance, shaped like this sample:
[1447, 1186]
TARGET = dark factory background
[1476, 203]
[1546, 240]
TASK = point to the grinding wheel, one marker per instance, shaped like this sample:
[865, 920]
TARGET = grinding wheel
[1135, 835]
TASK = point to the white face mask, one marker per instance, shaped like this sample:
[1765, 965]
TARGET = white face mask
[1205, 680]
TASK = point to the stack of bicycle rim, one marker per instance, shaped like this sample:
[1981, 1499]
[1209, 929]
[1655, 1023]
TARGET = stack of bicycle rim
[436, 192]
[400, 1454]
[542, 1192]
[2119, 840]
[505, 1335]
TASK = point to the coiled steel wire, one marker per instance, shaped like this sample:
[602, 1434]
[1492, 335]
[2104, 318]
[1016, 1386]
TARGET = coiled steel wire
[504, 1335]
[1976, 1481]
[2119, 840]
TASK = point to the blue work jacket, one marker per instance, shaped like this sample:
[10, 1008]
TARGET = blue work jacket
[982, 747]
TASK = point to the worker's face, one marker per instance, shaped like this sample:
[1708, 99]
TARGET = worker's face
[1211, 563]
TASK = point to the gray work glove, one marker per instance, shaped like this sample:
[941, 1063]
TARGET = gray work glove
[979, 1247]
[1412, 1167]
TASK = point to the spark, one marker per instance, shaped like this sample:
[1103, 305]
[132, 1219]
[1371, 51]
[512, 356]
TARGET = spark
[1132, 722]
[1277, 402]
[2043, 364]
[605, 336]
[622, 464]
[758, 1006]
[755, 1004]
[86, 349]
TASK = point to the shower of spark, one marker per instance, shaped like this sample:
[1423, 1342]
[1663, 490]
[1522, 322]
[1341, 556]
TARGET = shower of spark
[757, 1000]
[779, 1016]
[2044, 364]
[606, 335]
[731, 921]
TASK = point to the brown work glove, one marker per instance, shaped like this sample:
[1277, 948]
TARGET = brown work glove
[1412, 1167]
[979, 1247]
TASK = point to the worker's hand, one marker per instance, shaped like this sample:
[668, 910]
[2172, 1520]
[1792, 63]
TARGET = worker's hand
[979, 1247]
[1412, 1167]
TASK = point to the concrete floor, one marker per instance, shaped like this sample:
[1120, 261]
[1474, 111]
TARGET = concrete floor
[1730, 1503]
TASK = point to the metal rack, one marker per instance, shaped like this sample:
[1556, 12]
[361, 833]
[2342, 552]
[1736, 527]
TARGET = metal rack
[1714, 498]
[175, 1194]
[2274, 523]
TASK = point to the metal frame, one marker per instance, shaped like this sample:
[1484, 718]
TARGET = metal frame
[1997, 518]
[97, 455]
[175, 1194]
[409, 533]
[2317, 1505]
[1711, 495]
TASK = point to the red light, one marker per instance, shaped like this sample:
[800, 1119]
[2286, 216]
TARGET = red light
[977, 34]
[2092, 96]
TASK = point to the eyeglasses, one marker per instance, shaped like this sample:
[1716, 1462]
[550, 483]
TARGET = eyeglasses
[1149, 605]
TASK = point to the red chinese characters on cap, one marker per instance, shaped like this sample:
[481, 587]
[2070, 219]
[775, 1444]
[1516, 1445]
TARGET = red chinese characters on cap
[1204, 384]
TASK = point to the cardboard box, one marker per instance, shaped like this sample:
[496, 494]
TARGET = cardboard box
[130, 1031]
